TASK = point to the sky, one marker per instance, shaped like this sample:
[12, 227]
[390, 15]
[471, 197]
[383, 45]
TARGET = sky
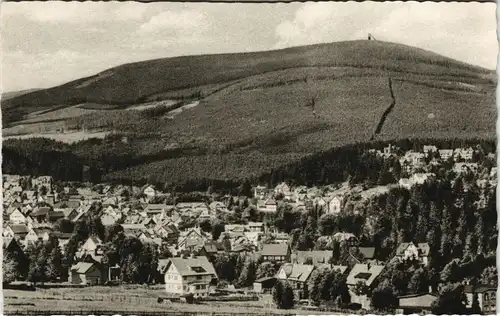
[49, 43]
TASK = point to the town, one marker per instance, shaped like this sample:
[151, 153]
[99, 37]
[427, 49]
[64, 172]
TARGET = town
[421, 239]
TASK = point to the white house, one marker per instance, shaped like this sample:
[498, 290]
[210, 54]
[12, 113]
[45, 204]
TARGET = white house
[335, 205]
[446, 154]
[150, 191]
[463, 153]
[428, 149]
[189, 276]
[363, 273]
[411, 251]
[17, 217]
[269, 206]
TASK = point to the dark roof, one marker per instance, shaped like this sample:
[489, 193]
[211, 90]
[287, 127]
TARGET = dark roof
[367, 252]
[41, 211]
[265, 279]
[480, 288]
[62, 235]
[19, 229]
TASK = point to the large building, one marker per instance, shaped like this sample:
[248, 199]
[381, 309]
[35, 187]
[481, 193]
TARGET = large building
[189, 276]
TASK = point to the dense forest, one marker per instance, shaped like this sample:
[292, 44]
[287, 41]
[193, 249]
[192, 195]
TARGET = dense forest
[112, 160]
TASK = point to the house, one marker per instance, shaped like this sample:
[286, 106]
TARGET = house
[257, 227]
[348, 238]
[34, 234]
[334, 205]
[357, 255]
[445, 154]
[107, 220]
[264, 285]
[465, 154]
[297, 275]
[154, 209]
[168, 232]
[411, 251]
[268, 206]
[465, 167]
[275, 252]
[366, 274]
[260, 192]
[314, 257]
[150, 191]
[40, 214]
[87, 273]
[69, 213]
[193, 239]
[91, 245]
[18, 232]
[486, 296]
[429, 149]
[17, 217]
[210, 249]
[133, 230]
[283, 189]
[415, 304]
[192, 275]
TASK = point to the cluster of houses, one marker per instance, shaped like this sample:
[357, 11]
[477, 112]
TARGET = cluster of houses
[30, 215]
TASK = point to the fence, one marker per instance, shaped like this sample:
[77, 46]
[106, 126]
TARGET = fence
[128, 313]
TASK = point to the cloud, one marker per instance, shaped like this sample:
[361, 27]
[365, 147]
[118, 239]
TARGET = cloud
[55, 12]
[184, 21]
[465, 31]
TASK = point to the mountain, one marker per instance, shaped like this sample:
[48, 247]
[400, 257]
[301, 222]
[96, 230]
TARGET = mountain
[244, 114]
[13, 94]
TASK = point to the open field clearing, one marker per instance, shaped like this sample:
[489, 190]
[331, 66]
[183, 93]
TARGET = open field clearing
[125, 299]
[68, 138]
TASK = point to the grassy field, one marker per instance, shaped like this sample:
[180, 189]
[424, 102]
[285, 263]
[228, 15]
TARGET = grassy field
[125, 298]
[131, 82]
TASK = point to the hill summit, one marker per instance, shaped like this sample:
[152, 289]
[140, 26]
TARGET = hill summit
[265, 109]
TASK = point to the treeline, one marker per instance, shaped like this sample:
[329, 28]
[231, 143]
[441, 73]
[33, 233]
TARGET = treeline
[195, 169]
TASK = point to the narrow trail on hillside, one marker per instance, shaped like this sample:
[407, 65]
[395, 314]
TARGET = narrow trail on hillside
[386, 112]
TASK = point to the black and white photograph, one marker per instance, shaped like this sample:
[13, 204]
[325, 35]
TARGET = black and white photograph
[230, 159]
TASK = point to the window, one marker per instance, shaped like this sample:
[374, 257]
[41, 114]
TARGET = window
[199, 277]
[485, 296]
[178, 287]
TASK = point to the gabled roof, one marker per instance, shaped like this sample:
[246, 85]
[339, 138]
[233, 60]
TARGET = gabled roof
[60, 235]
[367, 252]
[297, 272]
[82, 267]
[155, 208]
[423, 248]
[19, 229]
[364, 272]
[193, 266]
[7, 241]
[274, 250]
[317, 256]
[41, 211]
[133, 227]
